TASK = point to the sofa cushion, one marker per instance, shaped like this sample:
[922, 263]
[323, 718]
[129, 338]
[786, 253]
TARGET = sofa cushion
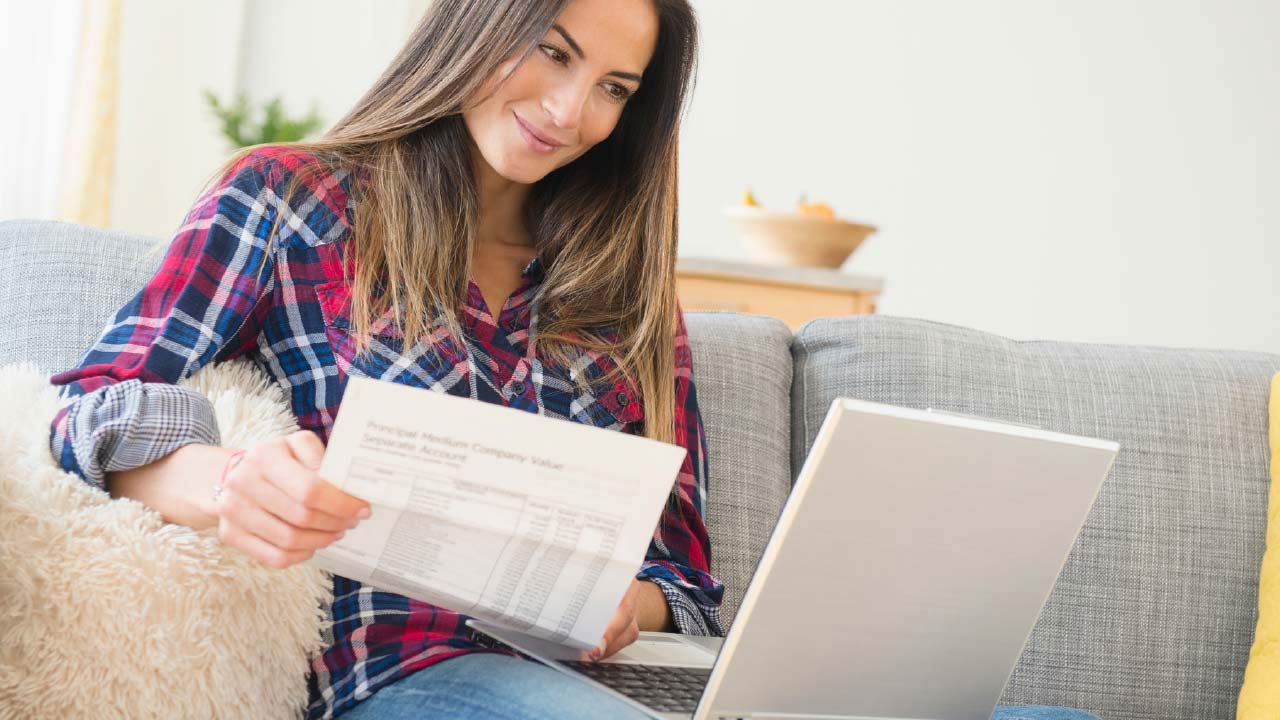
[106, 610]
[1153, 612]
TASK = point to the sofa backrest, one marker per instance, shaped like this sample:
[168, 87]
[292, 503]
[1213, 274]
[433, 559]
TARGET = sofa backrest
[742, 374]
[1153, 614]
[60, 284]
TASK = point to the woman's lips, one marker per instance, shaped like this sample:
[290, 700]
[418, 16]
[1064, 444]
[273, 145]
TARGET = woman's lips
[533, 139]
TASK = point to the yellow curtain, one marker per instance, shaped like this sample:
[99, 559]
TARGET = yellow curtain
[88, 159]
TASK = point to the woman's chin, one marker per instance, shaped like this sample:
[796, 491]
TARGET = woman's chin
[526, 174]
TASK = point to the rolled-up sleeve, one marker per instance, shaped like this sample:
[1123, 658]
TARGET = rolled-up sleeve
[120, 406]
[679, 556]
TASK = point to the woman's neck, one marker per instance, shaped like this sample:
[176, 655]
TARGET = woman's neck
[501, 208]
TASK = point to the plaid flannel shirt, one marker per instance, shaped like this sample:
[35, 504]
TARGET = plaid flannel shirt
[220, 294]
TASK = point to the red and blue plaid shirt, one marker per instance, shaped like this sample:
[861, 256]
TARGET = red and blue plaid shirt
[220, 294]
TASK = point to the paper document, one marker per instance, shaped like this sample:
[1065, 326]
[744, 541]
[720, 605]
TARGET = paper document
[534, 523]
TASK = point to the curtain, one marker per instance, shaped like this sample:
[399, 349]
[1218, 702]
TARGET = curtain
[90, 138]
[38, 51]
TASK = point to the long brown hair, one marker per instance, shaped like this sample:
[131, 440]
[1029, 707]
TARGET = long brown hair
[604, 225]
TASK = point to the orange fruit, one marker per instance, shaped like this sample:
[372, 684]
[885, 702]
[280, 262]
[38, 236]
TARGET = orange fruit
[816, 209]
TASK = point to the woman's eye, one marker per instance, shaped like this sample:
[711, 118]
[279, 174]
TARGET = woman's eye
[556, 54]
[618, 92]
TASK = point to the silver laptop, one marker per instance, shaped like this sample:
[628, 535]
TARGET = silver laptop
[902, 580]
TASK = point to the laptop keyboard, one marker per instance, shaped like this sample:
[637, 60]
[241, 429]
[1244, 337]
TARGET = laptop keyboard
[666, 689]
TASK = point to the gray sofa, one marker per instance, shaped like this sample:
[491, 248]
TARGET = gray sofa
[1153, 614]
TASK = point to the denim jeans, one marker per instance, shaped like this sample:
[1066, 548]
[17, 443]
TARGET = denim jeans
[488, 686]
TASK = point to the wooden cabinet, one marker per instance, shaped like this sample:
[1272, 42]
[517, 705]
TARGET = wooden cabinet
[794, 295]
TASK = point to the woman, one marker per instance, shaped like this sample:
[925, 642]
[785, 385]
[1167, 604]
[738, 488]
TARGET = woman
[495, 218]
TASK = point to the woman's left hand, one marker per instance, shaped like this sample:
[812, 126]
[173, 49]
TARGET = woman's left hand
[642, 604]
[624, 628]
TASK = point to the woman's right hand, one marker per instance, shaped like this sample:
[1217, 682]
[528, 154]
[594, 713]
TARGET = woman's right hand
[276, 508]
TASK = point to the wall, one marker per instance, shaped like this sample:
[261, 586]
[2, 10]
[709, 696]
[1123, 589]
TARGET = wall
[323, 51]
[1092, 171]
[168, 143]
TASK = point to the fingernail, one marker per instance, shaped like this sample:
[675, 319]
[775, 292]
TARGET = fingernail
[364, 514]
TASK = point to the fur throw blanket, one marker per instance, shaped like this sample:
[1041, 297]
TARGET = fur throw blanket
[108, 611]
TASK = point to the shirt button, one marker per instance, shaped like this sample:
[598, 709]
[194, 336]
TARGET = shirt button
[623, 399]
[517, 387]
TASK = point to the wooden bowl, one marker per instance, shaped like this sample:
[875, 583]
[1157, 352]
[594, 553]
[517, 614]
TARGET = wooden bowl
[790, 238]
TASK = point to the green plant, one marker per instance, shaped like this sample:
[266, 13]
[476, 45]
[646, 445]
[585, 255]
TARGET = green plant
[276, 126]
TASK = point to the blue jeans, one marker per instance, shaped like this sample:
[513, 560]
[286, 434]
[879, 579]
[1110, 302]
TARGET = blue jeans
[488, 686]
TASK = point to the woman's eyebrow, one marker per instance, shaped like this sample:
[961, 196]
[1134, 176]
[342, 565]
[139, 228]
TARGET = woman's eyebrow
[578, 50]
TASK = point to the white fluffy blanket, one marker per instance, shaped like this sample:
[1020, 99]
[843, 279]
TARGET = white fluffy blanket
[108, 611]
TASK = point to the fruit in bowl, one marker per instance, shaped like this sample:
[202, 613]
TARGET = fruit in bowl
[810, 236]
[815, 209]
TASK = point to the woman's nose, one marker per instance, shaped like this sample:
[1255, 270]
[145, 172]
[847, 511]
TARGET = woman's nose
[566, 104]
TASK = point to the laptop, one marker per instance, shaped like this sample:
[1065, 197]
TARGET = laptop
[902, 580]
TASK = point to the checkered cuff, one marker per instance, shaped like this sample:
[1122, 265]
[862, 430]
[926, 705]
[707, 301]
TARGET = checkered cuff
[132, 423]
[693, 610]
